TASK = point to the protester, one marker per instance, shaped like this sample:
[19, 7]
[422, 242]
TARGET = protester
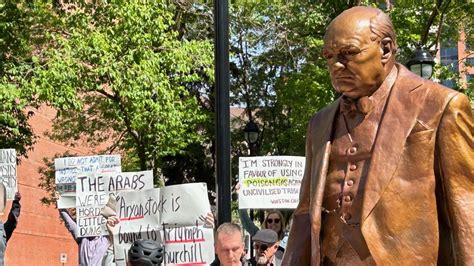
[265, 243]
[153, 249]
[274, 220]
[229, 246]
[143, 252]
[6, 230]
[91, 249]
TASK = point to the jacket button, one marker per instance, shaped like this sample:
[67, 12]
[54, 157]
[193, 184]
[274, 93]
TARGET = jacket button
[350, 182]
[352, 150]
[347, 198]
[347, 216]
[353, 167]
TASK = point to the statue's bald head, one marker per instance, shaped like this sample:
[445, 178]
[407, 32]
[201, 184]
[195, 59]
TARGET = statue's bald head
[359, 47]
[378, 22]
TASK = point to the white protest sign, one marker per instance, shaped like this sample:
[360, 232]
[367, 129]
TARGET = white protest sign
[8, 171]
[68, 168]
[186, 238]
[185, 203]
[186, 245]
[270, 182]
[172, 216]
[139, 217]
[93, 192]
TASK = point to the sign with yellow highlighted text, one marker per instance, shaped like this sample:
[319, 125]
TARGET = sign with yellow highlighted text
[270, 182]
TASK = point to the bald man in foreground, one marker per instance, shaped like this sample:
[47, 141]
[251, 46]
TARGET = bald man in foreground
[229, 246]
[389, 165]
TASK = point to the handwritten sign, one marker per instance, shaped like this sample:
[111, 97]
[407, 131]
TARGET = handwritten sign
[8, 171]
[172, 216]
[270, 182]
[93, 192]
[68, 168]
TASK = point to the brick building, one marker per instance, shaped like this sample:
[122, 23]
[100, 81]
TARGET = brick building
[40, 237]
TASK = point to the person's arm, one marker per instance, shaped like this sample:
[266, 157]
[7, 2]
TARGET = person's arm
[109, 258]
[247, 223]
[13, 216]
[112, 221]
[69, 222]
[455, 160]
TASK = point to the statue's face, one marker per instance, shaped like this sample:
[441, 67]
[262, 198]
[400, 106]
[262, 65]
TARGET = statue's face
[354, 60]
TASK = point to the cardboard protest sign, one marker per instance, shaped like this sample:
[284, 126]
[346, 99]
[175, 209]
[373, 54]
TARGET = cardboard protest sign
[68, 168]
[93, 192]
[185, 245]
[173, 216]
[8, 171]
[270, 182]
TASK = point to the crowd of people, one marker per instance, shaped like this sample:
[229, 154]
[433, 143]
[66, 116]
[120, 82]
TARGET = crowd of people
[268, 243]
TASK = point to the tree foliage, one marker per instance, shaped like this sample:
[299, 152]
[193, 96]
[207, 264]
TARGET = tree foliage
[117, 73]
[20, 25]
[278, 74]
[136, 77]
[433, 26]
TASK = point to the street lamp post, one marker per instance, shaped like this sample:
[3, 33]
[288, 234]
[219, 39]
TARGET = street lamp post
[421, 63]
[221, 44]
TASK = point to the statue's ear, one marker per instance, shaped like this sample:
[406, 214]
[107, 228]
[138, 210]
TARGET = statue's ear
[388, 49]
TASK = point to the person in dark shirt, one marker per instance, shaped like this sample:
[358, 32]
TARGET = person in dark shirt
[265, 243]
[7, 228]
[229, 246]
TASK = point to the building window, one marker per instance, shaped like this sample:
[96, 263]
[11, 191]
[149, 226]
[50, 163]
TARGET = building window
[470, 61]
[449, 57]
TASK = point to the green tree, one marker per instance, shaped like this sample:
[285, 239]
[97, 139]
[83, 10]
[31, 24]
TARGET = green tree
[278, 74]
[117, 73]
[431, 26]
[20, 25]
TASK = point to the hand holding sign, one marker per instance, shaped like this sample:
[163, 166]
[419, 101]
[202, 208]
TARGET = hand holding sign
[17, 196]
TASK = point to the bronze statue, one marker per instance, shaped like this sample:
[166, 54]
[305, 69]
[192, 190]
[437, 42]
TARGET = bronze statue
[389, 165]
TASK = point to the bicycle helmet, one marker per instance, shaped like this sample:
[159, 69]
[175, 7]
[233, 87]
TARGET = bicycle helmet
[145, 252]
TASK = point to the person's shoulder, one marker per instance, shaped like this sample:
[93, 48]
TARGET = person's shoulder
[329, 111]
[251, 261]
[411, 82]
[216, 262]
[437, 95]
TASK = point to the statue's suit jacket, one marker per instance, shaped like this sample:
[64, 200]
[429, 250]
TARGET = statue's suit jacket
[418, 205]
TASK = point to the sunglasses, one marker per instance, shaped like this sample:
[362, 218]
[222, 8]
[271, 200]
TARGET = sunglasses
[261, 247]
[270, 220]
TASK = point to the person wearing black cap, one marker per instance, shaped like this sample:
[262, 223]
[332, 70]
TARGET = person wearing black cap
[143, 252]
[265, 243]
